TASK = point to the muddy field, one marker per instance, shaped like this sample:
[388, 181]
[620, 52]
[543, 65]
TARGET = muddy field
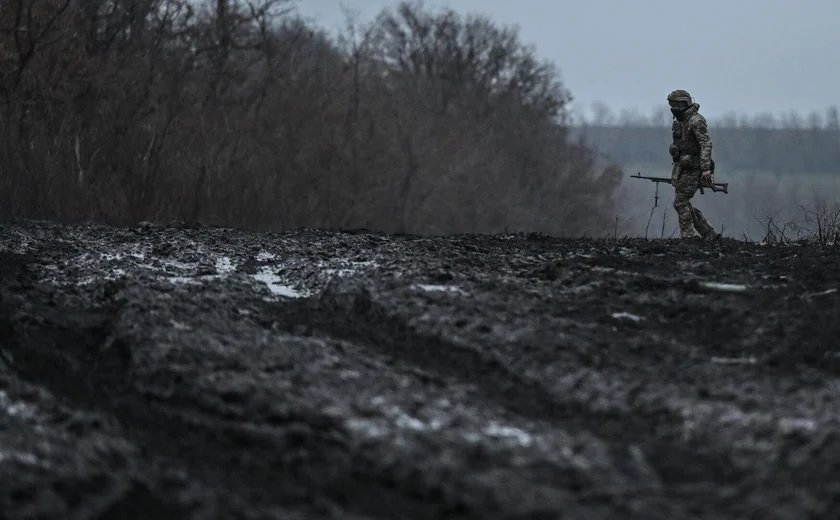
[177, 372]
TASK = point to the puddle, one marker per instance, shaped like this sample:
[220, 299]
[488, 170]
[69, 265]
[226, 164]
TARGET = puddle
[224, 265]
[724, 287]
[265, 256]
[626, 316]
[276, 287]
[440, 288]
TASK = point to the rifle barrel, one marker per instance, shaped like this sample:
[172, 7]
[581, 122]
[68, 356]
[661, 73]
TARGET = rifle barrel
[717, 186]
[654, 179]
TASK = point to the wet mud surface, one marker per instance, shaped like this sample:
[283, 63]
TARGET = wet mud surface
[177, 372]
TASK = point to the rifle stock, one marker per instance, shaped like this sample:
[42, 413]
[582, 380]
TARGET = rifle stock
[716, 187]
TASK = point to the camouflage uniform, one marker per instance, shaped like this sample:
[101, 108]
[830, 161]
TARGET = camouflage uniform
[691, 152]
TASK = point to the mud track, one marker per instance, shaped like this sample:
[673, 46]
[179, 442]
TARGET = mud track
[177, 372]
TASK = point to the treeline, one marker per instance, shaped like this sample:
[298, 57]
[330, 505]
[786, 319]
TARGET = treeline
[602, 115]
[239, 113]
[747, 149]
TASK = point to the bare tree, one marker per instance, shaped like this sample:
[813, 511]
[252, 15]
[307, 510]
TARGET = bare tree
[815, 121]
[832, 118]
[602, 115]
[237, 112]
[660, 116]
[729, 120]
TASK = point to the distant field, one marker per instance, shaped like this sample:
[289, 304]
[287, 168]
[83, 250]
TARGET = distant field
[752, 198]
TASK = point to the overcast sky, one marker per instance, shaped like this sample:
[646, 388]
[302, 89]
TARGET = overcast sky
[749, 56]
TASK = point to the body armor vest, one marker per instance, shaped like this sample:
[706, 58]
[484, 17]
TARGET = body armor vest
[684, 138]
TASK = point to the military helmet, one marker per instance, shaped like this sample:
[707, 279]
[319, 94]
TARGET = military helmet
[679, 96]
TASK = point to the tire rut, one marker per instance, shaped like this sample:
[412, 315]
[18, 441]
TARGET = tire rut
[360, 319]
[64, 350]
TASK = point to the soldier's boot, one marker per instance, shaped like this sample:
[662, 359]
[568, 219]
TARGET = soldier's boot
[707, 232]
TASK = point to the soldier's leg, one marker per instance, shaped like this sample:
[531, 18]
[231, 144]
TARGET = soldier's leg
[684, 189]
[700, 223]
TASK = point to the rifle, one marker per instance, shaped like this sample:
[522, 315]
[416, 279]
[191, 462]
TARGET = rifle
[711, 184]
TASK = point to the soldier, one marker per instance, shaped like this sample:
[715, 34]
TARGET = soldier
[691, 151]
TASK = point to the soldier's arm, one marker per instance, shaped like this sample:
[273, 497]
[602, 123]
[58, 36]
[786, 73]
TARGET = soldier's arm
[701, 131]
